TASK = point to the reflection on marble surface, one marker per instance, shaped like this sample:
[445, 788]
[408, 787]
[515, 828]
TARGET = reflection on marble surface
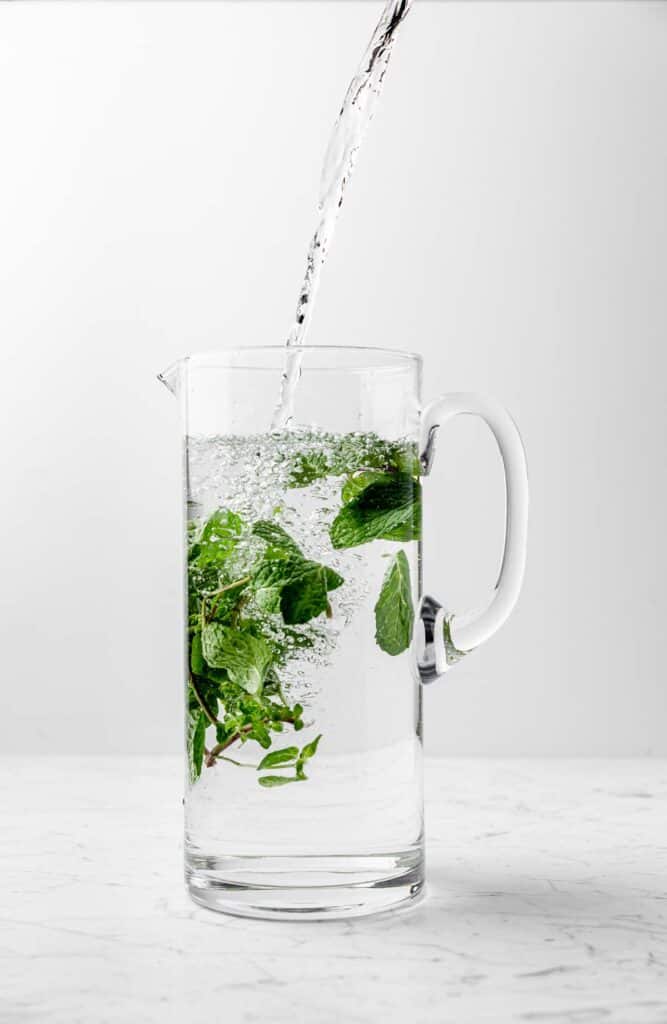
[547, 903]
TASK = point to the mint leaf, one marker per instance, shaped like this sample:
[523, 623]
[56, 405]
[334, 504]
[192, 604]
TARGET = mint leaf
[310, 749]
[296, 587]
[288, 583]
[260, 733]
[196, 734]
[308, 468]
[307, 752]
[358, 482]
[277, 780]
[270, 578]
[405, 458]
[196, 657]
[284, 757]
[333, 579]
[305, 596]
[279, 541]
[394, 611]
[387, 509]
[245, 657]
[219, 536]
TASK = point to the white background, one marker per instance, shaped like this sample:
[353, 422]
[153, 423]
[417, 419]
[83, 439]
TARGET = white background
[508, 219]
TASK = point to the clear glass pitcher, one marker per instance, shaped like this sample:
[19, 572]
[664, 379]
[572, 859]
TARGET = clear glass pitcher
[308, 636]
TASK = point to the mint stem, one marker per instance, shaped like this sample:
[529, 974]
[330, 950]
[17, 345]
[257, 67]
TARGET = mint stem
[217, 595]
[216, 751]
[228, 586]
[221, 757]
[212, 719]
[219, 747]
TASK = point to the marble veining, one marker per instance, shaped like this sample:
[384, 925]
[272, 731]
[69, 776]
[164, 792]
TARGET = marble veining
[547, 903]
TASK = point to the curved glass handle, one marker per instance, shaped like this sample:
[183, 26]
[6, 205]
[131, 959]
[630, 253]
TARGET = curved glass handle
[449, 637]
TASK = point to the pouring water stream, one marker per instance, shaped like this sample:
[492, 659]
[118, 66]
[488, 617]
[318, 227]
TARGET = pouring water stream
[339, 161]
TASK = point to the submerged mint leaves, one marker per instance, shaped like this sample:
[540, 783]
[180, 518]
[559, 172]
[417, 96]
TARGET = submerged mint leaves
[234, 655]
[344, 455]
[254, 598]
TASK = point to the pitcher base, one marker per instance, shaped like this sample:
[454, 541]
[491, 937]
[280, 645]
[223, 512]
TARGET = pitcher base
[306, 888]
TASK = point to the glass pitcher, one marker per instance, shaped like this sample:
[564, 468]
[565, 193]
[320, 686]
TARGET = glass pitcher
[308, 637]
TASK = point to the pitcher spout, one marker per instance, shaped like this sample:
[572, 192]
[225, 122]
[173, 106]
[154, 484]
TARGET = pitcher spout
[171, 377]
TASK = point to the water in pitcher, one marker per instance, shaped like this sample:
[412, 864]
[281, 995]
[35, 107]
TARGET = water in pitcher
[303, 582]
[303, 577]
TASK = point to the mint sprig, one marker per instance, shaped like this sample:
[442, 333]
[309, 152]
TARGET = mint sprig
[235, 652]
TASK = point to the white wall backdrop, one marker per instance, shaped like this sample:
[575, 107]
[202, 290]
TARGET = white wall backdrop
[508, 219]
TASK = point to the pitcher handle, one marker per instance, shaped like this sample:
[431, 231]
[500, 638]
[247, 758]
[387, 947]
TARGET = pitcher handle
[449, 637]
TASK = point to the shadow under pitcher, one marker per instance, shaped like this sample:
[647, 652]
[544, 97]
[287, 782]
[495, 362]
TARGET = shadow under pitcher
[308, 637]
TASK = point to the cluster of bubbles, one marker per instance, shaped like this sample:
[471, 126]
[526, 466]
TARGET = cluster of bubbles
[253, 476]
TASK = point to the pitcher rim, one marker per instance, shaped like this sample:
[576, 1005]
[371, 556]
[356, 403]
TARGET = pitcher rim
[394, 355]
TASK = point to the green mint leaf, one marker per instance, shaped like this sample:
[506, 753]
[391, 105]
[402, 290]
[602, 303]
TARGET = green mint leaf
[305, 596]
[270, 578]
[222, 734]
[214, 676]
[196, 657]
[246, 658]
[260, 733]
[394, 611]
[284, 757]
[310, 749]
[308, 468]
[276, 780]
[333, 580]
[405, 458]
[296, 587]
[387, 509]
[196, 734]
[307, 752]
[219, 536]
[358, 482]
[279, 541]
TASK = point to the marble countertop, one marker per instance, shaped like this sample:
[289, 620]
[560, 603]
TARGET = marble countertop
[547, 902]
